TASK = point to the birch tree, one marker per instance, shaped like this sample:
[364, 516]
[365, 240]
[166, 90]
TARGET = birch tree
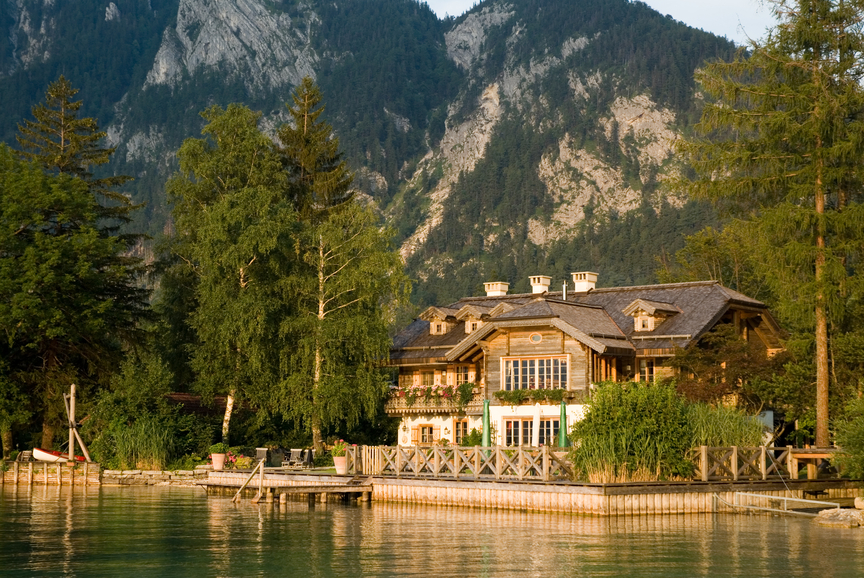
[352, 283]
[233, 222]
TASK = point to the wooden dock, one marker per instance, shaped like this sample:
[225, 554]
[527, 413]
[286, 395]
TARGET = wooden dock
[649, 498]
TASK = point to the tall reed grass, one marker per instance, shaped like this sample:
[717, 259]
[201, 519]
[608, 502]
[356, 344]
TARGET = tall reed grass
[723, 426]
[641, 432]
[145, 445]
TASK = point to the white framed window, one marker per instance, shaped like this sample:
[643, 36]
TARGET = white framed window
[646, 370]
[535, 373]
[427, 378]
[549, 428]
[461, 374]
[460, 430]
[517, 432]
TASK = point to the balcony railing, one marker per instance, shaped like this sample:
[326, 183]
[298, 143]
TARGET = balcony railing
[400, 405]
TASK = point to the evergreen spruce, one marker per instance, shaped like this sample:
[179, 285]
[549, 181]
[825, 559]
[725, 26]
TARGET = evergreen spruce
[58, 140]
[319, 178]
[784, 142]
[68, 298]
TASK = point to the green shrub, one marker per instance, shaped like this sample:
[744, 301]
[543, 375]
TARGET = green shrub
[219, 448]
[475, 438]
[632, 431]
[850, 438]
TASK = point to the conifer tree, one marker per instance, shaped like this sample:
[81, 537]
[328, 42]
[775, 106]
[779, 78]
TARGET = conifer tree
[318, 176]
[58, 140]
[68, 298]
[783, 140]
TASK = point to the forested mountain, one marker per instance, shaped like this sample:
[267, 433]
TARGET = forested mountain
[521, 138]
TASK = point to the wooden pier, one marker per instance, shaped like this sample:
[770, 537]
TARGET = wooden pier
[626, 499]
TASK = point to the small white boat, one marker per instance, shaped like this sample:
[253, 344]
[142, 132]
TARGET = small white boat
[41, 455]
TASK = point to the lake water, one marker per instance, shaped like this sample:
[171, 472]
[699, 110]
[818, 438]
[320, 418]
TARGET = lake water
[142, 532]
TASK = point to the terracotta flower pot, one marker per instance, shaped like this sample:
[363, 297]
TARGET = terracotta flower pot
[341, 463]
[218, 461]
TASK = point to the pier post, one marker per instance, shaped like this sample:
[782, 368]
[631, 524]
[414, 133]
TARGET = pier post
[30, 473]
[703, 461]
[763, 464]
[735, 463]
[15, 467]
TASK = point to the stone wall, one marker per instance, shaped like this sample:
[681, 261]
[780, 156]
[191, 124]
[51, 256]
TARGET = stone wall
[152, 477]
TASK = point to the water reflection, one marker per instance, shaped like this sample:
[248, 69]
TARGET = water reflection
[177, 531]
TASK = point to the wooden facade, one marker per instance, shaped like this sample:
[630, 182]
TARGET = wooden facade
[505, 342]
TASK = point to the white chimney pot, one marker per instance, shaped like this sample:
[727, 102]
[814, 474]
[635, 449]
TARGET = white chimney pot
[584, 281]
[496, 288]
[540, 283]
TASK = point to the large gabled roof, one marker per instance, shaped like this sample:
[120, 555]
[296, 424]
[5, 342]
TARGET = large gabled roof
[598, 318]
[587, 324]
[701, 305]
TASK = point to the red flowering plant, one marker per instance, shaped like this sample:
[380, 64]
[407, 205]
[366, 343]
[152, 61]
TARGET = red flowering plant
[460, 394]
[339, 449]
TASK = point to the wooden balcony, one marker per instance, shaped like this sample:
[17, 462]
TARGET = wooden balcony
[399, 405]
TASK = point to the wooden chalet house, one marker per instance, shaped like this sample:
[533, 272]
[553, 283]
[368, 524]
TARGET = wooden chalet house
[554, 346]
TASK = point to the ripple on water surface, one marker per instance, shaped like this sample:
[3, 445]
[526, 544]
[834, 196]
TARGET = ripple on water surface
[143, 532]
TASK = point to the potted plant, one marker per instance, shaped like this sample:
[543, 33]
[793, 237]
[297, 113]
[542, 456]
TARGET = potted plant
[340, 460]
[217, 454]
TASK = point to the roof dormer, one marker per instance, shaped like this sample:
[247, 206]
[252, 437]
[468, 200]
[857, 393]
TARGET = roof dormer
[441, 319]
[473, 317]
[648, 315]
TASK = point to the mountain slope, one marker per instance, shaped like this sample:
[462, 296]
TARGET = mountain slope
[501, 143]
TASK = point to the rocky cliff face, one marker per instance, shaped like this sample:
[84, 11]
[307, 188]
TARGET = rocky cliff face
[240, 38]
[579, 126]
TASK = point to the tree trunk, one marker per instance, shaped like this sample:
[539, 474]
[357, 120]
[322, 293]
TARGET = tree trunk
[48, 431]
[6, 438]
[822, 368]
[229, 409]
[317, 441]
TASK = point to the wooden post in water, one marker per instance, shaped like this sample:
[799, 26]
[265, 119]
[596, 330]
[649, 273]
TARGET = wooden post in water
[735, 463]
[763, 463]
[30, 473]
[71, 415]
[15, 467]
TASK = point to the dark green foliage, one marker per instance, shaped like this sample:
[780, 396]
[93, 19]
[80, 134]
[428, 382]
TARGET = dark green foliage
[106, 58]
[632, 431]
[58, 140]
[722, 364]
[67, 299]
[850, 438]
[234, 220]
[350, 282]
[780, 142]
[393, 65]
[318, 178]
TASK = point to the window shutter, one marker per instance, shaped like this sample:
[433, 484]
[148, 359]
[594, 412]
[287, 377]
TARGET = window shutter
[436, 433]
[415, 435]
